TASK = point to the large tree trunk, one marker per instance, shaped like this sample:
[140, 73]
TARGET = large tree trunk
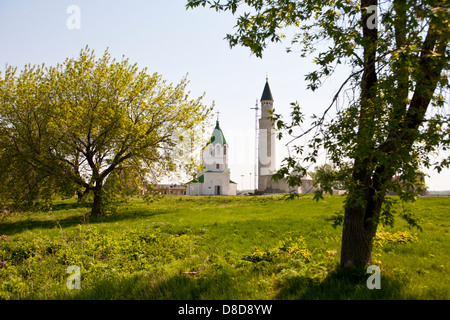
[97, 205]
[363, 201]
[357, 239]
[361, 221]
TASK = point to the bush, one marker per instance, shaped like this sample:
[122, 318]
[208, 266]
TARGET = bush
[287, 250]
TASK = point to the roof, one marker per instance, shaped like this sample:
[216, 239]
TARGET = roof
[201, 179]
[170, 186]
[267, 95]
[217, 136]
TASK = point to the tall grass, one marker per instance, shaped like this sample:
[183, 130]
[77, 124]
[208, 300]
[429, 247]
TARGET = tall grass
[217, 248]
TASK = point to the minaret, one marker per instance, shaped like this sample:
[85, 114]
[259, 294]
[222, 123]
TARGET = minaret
[266, 141]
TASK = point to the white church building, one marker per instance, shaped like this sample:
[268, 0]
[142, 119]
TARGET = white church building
[215, 178]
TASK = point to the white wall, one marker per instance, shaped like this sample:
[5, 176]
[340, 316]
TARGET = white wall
[214, 179]
[213, 155]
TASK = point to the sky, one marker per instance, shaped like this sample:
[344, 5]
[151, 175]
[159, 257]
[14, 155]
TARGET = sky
[174, 42]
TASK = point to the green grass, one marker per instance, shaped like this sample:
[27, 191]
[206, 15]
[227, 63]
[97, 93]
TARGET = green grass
[217, 248]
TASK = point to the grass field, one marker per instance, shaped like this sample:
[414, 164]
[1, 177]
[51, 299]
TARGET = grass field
[216, 248]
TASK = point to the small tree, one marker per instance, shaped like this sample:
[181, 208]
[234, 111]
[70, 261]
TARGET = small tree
[87, 118]
[327, 178]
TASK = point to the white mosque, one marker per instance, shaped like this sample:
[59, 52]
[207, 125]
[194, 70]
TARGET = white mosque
[215, 178]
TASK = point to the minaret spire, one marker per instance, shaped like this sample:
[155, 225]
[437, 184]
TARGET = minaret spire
[267, 95]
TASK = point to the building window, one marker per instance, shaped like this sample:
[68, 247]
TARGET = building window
[217, 166]
[218, 150]
[224, 150]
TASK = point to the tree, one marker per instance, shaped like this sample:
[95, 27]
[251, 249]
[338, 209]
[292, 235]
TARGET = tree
[23, 118]
[328, 177]
[85, 119]
[392, 123]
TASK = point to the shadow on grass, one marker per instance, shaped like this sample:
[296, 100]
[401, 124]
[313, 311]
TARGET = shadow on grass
[178, 287]
[222, 286]
[182, 287]
[71, 206]
[341, 286]
[60, 217]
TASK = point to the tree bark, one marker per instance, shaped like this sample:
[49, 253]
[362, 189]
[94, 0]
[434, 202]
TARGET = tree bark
[357, 238]
[79, 196]
[361, 222]
[362, 203]
[97, 205]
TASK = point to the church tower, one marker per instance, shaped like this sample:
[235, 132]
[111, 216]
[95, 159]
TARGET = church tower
[215, 178]
[266, 141]
[215, 155]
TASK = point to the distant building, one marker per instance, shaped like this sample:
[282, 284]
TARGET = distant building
[418, 187]
[170, 189]
[174, 189]
[267, 153]
[215, 178]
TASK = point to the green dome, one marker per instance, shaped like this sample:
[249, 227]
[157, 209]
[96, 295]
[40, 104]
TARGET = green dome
[217, 136]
